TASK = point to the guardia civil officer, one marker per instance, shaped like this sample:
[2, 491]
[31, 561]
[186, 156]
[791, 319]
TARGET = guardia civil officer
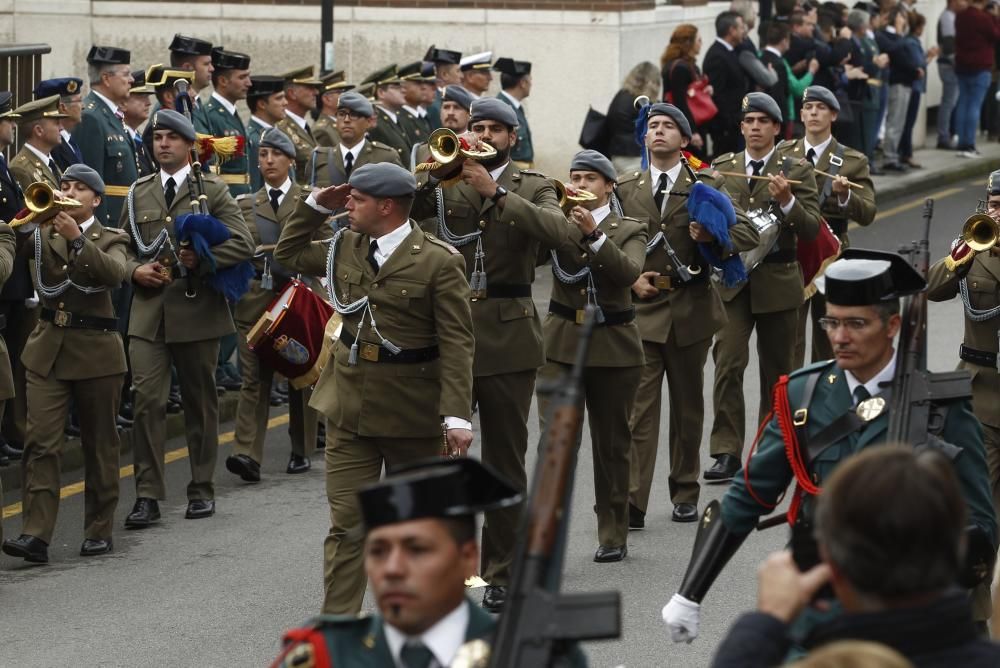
[266, 100]
[218, 117]
[515, 86]
[446, 73]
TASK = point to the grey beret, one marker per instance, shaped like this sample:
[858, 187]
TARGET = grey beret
[458, 95]
[357, 103]
[383, 179]
[85, 175]
[593, 161]
[492, 109]
[168, 119]
[821, 94]
[763, 103]
[667, 109]
[993, 184]
[276, 139]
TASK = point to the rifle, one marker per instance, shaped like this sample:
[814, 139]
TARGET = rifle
[539, 624]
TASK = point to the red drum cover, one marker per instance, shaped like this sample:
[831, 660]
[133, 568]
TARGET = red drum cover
[815, 255]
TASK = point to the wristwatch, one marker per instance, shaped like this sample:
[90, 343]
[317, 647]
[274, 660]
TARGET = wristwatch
[501, 191]
[594, 236]
[77, 244]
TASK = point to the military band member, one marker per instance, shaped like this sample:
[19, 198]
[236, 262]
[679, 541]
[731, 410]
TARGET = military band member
[840, 203]
[39, 127]
[325, 128]
[266, 212]
[677, 317]
[456, 110]
[476, 75]
[136, 111]
[300, 94]
[515, 85]
[101, 134]
[170, 326]
[845, 394]
[74, 356]
[597, 264]
[333, 166]
[417, 82]
[770, 300]
[6, 267]
[388, 94]
[218, 117]
[193, 55]
[499, 217]
[446, 73]
[266, 100]
[70, 92]
[387, 387]
[162, 79]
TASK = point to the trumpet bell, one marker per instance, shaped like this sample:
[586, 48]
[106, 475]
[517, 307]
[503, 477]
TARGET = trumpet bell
[445, 147]
[980, 232]
[568, 200]
[44, 203]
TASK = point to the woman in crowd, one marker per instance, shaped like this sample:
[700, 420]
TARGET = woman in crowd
[679, 71]
[644, 79]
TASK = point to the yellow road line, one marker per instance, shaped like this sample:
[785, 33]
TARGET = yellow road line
[128, 471]
[886, 213]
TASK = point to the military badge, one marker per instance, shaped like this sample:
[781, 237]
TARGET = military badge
[746, 103]
[291, 350]
[71, 87]
[870, 408]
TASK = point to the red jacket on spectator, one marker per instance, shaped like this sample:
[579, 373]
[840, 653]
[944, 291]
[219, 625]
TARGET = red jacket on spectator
[976, 31]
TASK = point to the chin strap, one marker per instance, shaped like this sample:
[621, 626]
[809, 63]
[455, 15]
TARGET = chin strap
[714, 546]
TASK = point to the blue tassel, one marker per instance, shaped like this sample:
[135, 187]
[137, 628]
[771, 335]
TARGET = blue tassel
[715, 212]
[640, 134]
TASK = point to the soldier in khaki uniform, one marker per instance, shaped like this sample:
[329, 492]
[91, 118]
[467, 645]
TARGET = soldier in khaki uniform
[455, 112]
[387, 388]
[325, 128]
[170, 326]
[770, 300]
[39, 127]
[74, 355]
[415, 78]
[332, 166]
[664, 298]
[389, 100]
[6, 376]
[300, 94]
[266, 212]
[499, 217]
[597, 264]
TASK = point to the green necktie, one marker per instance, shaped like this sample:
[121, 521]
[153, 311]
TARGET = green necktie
[860, 394]
[416, 655]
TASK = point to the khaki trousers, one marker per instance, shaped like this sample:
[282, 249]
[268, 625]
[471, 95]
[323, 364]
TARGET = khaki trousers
[684, 368]
[96, 401]
[21, 322]
[195, 363]
[815, 308]
[352, 462]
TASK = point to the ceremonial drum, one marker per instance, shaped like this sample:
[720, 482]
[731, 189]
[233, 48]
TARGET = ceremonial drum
[768, 226]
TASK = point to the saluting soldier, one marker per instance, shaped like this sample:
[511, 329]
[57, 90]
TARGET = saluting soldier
[387, 388]
[70, 92]
[413, 114]
[101, 134]
[446, 73]
[137, 110]
[300, 94]
[191, 54]
[476, 75]
[499, 217]
[388, 94]
[596, 265]
[39, 126]
[266, 212]
[176, 320]
[839, 202]
[266, 100]
[455, 112]
[678, 310]
[770, 300]
[325, 128]
[332, 166]
[515, 85]
[218, 117]
[74, 356]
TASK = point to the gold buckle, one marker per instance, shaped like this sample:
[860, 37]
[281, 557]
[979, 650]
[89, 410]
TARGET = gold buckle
[369, 351]
[62, 318]
[478, 294]
[800, 417]
[663, 283]
[580, 314]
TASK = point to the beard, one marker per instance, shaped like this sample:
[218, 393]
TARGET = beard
[501, 158]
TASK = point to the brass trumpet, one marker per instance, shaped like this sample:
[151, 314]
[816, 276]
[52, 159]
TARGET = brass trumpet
[44, 202]
[567, 201]
[981, 232]
[445, 148]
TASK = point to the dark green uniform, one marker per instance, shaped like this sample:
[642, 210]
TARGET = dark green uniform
[523, 151]
[214, 119]
[105, 146]
[304, 145]
[254, 131]
[391, 133]
[416, 127]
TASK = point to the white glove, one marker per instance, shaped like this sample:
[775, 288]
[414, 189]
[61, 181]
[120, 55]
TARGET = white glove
[681, 617]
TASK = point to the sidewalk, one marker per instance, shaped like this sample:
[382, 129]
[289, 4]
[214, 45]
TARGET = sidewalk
[939, 168]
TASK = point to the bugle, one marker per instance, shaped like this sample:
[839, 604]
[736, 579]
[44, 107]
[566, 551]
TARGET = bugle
[44, 202]
[980, 232]
[446, 147]
[570, 196]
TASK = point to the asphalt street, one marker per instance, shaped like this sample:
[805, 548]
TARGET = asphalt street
[220, 591]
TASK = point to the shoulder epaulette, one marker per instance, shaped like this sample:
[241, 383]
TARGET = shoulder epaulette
[815, 367]
[243, 196]
[533, 172]
[115, 230]
[147, 177]
[786, 144]
[632, 219]
[380, 145]
[853, 152]
[725, 157]
[443, 244]
[631, 176]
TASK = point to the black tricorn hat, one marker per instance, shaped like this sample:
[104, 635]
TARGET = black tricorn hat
[443, 56]
[229, 60]
[109, 55]
[514, 68]
[862, 277]
[190, 46]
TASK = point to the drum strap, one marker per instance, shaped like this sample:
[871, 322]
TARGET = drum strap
[836, 162]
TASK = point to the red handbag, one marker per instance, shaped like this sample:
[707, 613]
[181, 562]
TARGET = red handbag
[700, 103]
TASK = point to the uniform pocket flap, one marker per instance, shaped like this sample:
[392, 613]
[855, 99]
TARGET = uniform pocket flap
[406, 289]
[515, 309]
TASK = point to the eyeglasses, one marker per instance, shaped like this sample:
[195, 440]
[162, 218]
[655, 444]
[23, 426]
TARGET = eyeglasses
[344, 114]
[853, 324]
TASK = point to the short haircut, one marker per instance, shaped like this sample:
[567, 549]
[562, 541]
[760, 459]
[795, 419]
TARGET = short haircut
[777, 32]
[404, 203]
[857, 19]
[253, 100]
[179, 60]
[797, 18]
[462, 528]
[887, 309]
[725, 22]
[95, 70]
[27, 128]
[510, 80]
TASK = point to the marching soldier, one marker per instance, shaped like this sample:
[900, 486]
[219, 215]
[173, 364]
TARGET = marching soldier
[389, 390]
[597, 264]
[176, 320]
[136, 114]
[75, 355]
[413, 114]
[325, 128]
[499, 217]
[101, 134]
[333, 166]
[300, 95]
[446, 73]
[193, 55]
[455, 112]
[388, 93]
[70, 92]
[266, 212]
[476, 76]
[770, 300]
[218, 117]
[39, 126]
[673, 287]
[266, 99]
[515, 85]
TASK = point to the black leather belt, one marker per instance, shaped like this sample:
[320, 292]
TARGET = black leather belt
[73, 321]
[576, 315]
[838, 226]
[788, 255]
[665, 283]
[507, 291]
[978, 357]
[373, 352]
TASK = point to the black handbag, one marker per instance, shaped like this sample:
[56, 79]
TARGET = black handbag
[594, 134]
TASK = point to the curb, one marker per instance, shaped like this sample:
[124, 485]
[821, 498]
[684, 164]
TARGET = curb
[960, 170]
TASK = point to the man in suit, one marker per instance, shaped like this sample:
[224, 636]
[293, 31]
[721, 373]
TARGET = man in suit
[136, 111]
[515, 86]
[499, 217]
[301, 87]
[769, 301]
[773, 55]
[388, 106]
[677, 315]
[39, 126]
[476, 75]
[729, 84]
[191, 54]
[266, 212]
[446, 73]
[325, 128]
[176, 320]
[218, 117]
[75, 355]
[389, 390]
[70, 92]
[455, 112]
[414, 79]
[267, 103]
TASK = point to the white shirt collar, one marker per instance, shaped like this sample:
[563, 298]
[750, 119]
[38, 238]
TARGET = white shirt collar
[44, 157]
[766, 159]
[774, 51]
[672, 175]
[65, 135]
[390, 114]
[387, 243]
[820, 149]
[891, 29]
[443, 639]
[475, 96]
[226, 104]
[883, 376]
[513, 100]
[111, 105]
[729, 47]
[601, 212]
[263, 124]
[299, 121]
[85, 225]
[354, 150]
[284, 188]
[495, 174]
[415, 111]
[179, 177]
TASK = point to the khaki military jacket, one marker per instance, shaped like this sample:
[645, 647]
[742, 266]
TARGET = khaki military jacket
[167, 311]
[420, 298]
[861, 204]
[420, 153]
[697, 306]
[983, 284]
[76, 353]
[508, 331]
[28, 168]
[325, 131]
[304, 144]
[775, 286]
[391, 133]
[7, 250]
[326, 163]
[615, 267]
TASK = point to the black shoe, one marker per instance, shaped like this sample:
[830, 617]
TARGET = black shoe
[685, 512]
[92, 547]
[636, 518]
[606, 555]
[276, 399]
[144, 513]
[11, 451]
[199, 509]
[298, 464]
[494, 597]
[72, 430]
[894, 167]
[174, 404]
[29, 548]
[123, 422]
[227, 382]
[724, 468]
[243, 466]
